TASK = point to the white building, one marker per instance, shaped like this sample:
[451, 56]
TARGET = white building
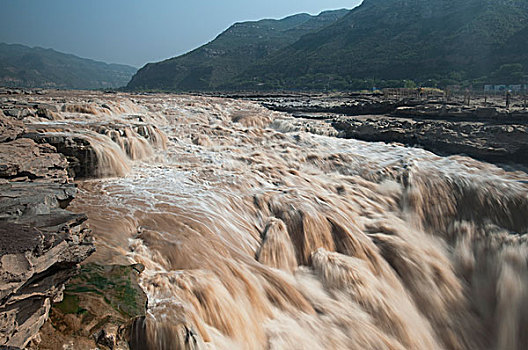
[504, 88]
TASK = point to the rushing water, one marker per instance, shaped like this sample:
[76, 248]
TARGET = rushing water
[259, 231]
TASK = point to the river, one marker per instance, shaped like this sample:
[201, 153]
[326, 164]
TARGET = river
[261, 231]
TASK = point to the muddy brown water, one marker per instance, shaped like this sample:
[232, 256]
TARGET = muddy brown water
[261, 231]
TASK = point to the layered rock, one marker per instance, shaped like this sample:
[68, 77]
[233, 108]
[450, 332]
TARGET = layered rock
[40, 246]
[418, 106]
[41, 243]
[20, 110]
[80, 155]
[23, 159]
[496, 143]
[35, 266]
[348, 105]
[9, 128]
[480, 112]
[481, 128]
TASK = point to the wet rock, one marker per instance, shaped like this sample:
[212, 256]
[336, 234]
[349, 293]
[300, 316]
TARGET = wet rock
[46, 106]
[47, 113]
[19, 113]
[99, 308]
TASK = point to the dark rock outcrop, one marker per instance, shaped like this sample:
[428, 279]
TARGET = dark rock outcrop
[489, 110]
[484, 129]
[482, 113]
[82, 160]
[496, 143]
[363, 105]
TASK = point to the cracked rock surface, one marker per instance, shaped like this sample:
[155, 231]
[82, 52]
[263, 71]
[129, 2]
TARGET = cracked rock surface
[41, 243]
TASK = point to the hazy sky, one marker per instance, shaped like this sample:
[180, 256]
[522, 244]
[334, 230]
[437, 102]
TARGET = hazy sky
[137, 31]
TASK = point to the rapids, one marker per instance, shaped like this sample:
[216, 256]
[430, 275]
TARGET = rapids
[261, 231]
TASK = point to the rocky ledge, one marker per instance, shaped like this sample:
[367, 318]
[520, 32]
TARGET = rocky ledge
[41, 243]
[495, 143]
[339, 104]
[482, 128]
[417, 106]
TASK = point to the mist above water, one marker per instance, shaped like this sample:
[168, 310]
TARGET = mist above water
[260, 231]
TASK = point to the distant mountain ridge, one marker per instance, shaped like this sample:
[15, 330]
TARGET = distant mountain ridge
[387, 42]
[23, 66]
[233, 51]
[403, 39]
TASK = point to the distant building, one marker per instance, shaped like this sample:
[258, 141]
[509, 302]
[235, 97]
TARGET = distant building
[504, 88]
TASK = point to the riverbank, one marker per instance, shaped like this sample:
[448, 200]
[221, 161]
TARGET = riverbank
[484, 129]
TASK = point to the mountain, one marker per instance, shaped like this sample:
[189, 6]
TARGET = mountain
[402, 39]
[23, 66]
[380, 42]
[233, 51]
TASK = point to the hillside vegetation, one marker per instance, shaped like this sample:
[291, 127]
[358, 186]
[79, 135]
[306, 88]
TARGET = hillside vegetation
[383, 43]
